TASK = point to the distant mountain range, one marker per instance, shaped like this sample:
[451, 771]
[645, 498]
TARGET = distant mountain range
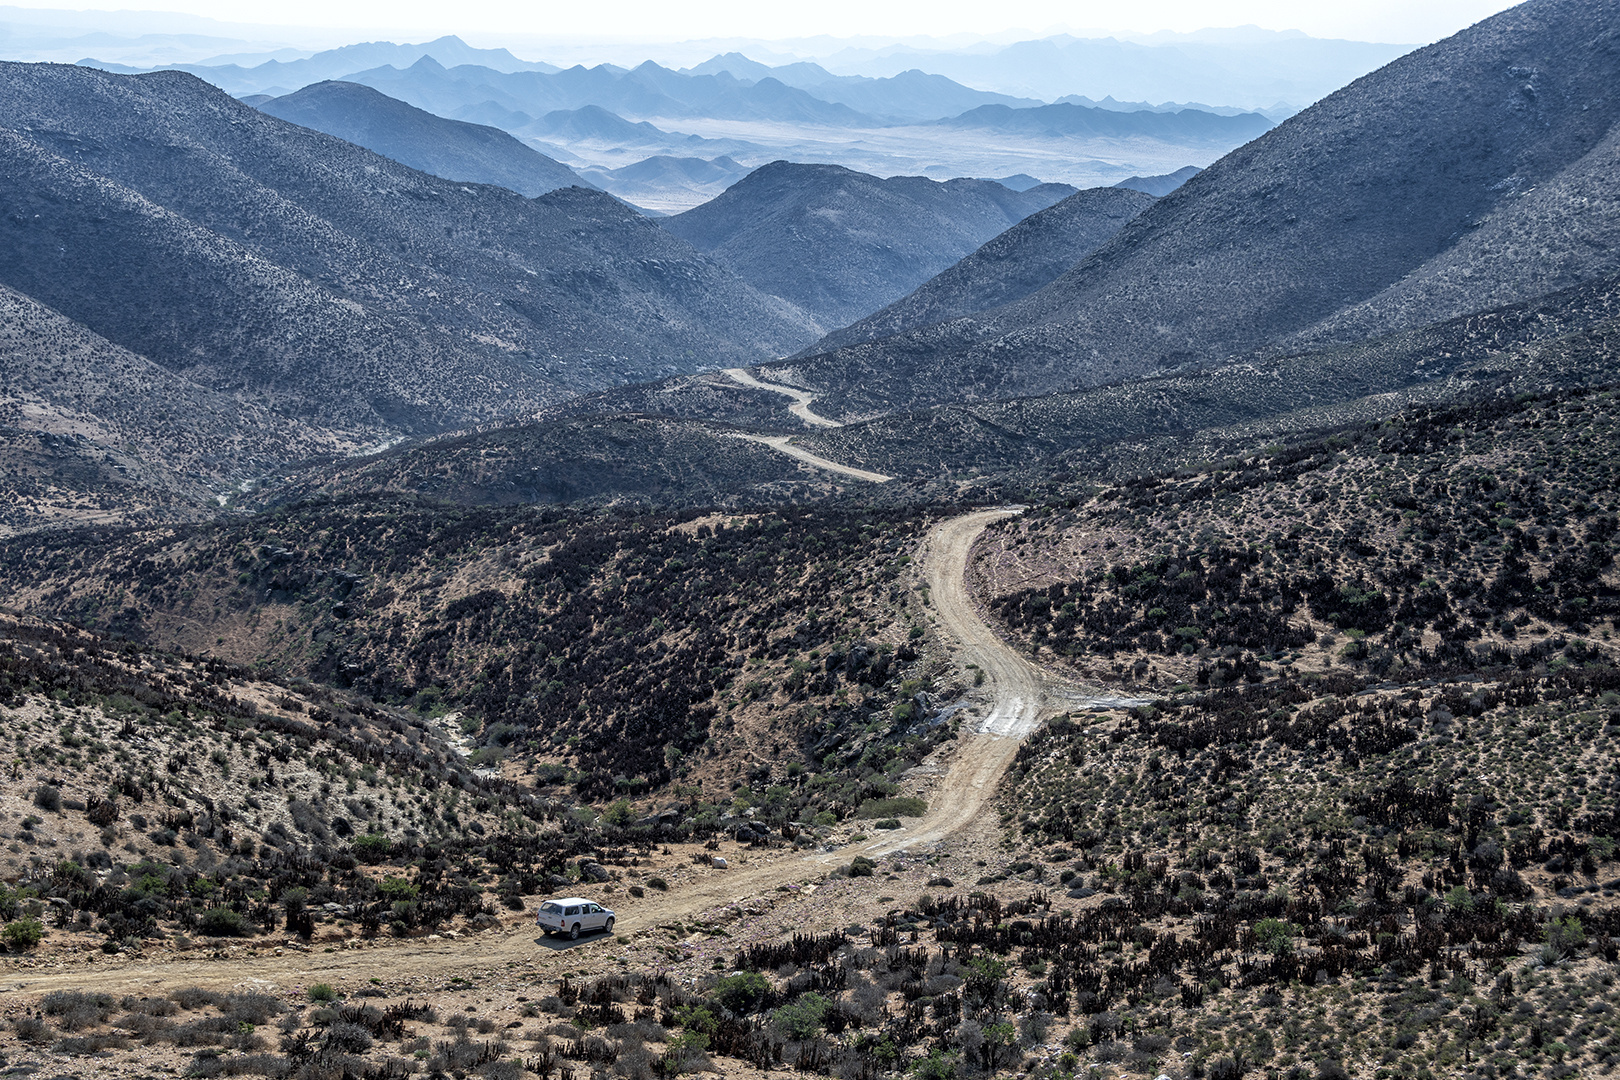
[669, 185]
[907, 97]
[607, 117]
[1249, 68]
[839, 244]
[304, 276]
[452, 149]
[277, 77]
[1462, 176]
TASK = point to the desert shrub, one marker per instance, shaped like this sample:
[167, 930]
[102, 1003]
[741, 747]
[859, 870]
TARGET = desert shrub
[800, 1019]
[31, 1029]
[685, 1053]
[742, 992]
[372, 847]
[658, 883]
[148, 1006]
[91, 1044]
[348, 1038]
[149, 1028]
[74, 1009]
[222, 922]
[257, 1065]
[396, 888]
[936, 1066]
[23, 934]
[321, 992]
[634, 1063]
[191, 998]
[251, 1008]
[898, 806]
[1276, 935]
[48, 797]
[861, 866]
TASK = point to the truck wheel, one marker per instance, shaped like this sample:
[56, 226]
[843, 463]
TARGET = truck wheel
[573, 935]
[608, 928]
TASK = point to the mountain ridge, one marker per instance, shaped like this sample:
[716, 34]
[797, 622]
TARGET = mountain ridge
[838, 243]
[452, 149]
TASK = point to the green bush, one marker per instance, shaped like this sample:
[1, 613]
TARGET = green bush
[887, 823]
[372, 847]
[861, 867]
[23, 934]
[899, 806]
[1565, 935]
[685, 1052]
[742, 993]
[321, 992]
[939, 1066]
[800, 1020]
[395, 888]
[658, 883]
[222, 922]
[1276, 936]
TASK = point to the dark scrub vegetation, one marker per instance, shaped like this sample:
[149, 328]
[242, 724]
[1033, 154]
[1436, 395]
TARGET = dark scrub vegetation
[621, 648]
[1376, 818]
[1436, 542]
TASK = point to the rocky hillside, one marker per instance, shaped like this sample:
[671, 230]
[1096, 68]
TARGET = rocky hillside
[614, 653]
[244, 252]
[840, 244]
[589, 460]
[1437, 541]
[90, 431]
[1009, 267]
[1493, 139]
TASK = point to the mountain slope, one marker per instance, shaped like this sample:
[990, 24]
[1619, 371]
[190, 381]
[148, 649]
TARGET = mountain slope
[1007, 268]
[1161, 185]
[324, 281]
[1321, 214]
[840, 244]
[92, 433]
[448, 148]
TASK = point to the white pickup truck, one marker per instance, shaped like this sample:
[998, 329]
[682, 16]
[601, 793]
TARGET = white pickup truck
[573, 915]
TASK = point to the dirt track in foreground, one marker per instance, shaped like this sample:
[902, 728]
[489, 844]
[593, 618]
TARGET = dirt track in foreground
[1010, 704]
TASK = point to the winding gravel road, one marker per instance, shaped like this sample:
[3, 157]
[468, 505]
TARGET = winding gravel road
[801, 398]
[1012, 699]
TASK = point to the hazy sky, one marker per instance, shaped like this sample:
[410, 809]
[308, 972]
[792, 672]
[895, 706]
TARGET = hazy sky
[1399, 21]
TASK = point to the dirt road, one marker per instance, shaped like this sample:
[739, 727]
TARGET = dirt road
[784, 444]
[801, 398]
[1010, 703]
